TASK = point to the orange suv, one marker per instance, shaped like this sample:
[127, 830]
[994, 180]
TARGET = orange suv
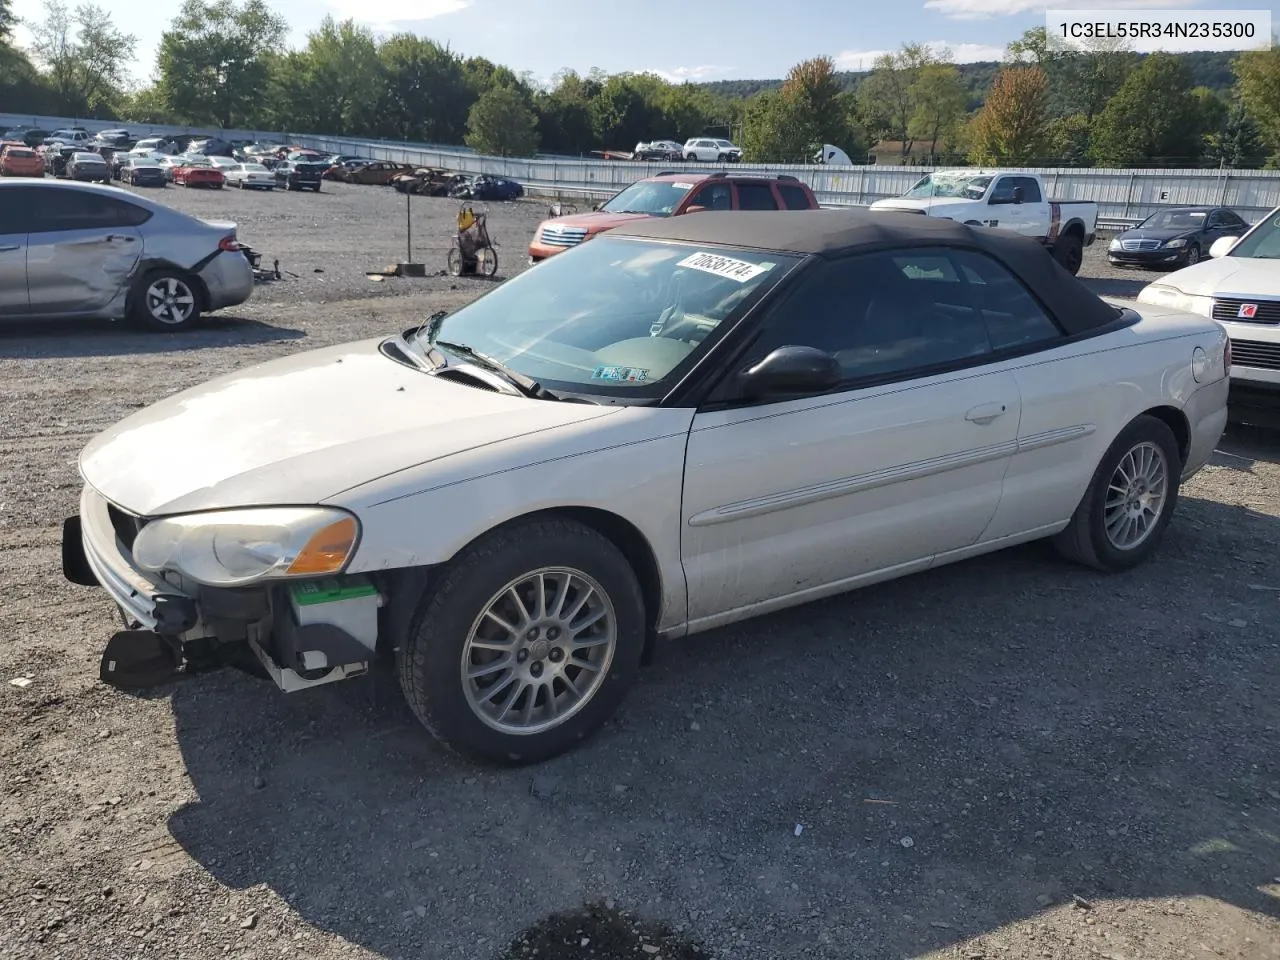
[670, 195]
[19, 160]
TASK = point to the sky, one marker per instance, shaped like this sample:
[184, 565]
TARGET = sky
[679, 40]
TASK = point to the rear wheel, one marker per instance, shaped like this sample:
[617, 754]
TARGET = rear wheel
[166, 300]
[1069, 252]
[487, 261]
[527, 644]
[1130, 500]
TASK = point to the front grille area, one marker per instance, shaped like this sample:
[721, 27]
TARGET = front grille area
[1266, 311]
[1255, 353]
[125, 525]
[1140, 244]
[563, 236]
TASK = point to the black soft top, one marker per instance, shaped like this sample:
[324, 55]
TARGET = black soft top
[835, 233]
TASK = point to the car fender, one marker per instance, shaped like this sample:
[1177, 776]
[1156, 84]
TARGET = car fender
[629, 464]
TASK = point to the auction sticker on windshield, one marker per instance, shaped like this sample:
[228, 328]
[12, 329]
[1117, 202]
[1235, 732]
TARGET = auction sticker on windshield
[739, 270]
[621, 374]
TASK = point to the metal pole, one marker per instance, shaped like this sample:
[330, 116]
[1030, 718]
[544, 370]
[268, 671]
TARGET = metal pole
[408, 222]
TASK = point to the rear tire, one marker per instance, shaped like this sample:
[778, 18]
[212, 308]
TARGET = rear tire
[1069, 252]
[165, 300]
[482, 630]
[1141, 463]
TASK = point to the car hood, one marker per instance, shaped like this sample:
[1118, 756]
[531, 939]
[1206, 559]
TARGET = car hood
[303, 429]
[594, 222]
[920, 203]
[1157, 233]
[1227, 276]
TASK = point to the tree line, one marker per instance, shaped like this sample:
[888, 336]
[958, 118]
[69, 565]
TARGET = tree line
[225, 64]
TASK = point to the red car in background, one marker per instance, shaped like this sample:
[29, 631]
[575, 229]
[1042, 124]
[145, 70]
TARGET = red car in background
[19, 160]
[198, 173]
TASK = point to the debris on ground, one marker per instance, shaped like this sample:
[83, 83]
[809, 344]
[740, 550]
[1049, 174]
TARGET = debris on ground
[600, 931]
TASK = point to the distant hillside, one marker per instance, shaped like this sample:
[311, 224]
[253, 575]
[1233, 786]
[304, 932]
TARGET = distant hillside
[1212, 70]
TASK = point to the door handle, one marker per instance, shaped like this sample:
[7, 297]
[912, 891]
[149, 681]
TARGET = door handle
[984, 413]
[10, 246]
[120, 237]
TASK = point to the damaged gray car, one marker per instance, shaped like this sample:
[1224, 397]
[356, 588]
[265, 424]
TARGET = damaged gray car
[71, 250]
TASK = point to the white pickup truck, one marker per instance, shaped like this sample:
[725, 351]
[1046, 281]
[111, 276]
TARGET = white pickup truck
[1008, 201]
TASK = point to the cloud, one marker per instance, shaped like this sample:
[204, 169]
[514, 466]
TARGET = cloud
[690, 74]
[960, 53]
[386, 13]
[984, 9]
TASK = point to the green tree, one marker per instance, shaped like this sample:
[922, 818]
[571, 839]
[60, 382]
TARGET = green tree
[1068, 140]
[83, 55]
[214, 61]
[1258, 86]
[940, 100]
[686, 110]
[564, 114]
[886, 93]
[1013, 125]
[426, 95]
[1237, 144]
[1152, 119]
[502, 124]
[7, 21]
[776, 128]
[337, 80]
[1093, 73]
[625, 111]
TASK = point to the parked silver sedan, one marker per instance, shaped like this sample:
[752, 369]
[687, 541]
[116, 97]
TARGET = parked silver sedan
[73, 250]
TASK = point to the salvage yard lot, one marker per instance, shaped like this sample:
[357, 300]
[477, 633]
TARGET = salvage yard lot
[933, 768]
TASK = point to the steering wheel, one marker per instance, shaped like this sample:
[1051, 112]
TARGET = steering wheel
[690, 326]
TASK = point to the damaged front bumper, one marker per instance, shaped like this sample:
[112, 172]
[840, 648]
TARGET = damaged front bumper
[295, 632]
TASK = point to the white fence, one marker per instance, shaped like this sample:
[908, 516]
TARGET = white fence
[1120, 194]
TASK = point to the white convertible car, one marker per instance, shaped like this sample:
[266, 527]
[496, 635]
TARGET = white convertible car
[1240, 288]
[681, 424]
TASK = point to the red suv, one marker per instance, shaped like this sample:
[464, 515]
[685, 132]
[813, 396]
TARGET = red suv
[669, 195]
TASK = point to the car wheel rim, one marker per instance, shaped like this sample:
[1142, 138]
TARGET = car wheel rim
[1193, 255]
[170, 300]
[539, 651]
[1136, 496]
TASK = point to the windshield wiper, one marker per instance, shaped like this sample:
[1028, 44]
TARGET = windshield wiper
[526, 385]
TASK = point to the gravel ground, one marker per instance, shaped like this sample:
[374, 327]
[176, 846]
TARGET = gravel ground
[1007, 758]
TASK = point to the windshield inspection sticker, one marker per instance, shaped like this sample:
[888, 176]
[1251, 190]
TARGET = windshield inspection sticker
[739, 270]
[620, 374]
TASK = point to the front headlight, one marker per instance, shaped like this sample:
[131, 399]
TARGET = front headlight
[1163, 295]
[1175, 244]
[235, 547]
[1115, 244]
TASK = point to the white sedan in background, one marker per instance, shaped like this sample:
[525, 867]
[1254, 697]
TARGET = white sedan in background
[1239, 286]
[249, 176]
[684, 423]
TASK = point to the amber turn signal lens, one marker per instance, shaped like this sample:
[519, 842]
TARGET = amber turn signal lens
[327, 550]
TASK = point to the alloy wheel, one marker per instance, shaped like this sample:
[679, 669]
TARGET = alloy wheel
[1136, 496]
[170, 300]
[539, 650]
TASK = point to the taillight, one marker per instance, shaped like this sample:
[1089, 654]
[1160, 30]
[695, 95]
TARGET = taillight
[230, 244]
[1226, 359]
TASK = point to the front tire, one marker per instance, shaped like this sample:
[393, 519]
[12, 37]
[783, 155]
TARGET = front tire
[527, 644]
[1193, 254]
[1124, 513]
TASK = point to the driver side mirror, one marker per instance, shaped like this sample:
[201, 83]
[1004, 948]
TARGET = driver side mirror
[696, 208]
[597, 206]
[1222, 246]
[1018, 194]
[791, 370]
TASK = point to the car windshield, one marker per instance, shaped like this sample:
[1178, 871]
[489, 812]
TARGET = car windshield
[308, 167]
[1174, 220]
[657, 198]
[1262, 242]
[17, 152]
[614, 317]
[951, 185]
[253, 168]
